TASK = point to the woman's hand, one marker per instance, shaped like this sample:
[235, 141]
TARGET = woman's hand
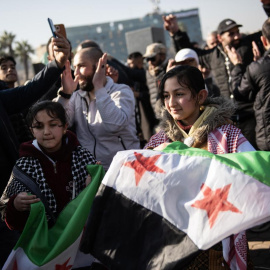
[23, 201]
[161, 146]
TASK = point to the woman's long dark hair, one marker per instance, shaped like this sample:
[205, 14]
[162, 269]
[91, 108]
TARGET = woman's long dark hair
[187, 76]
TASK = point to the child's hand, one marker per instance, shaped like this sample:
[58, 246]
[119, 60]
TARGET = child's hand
[23, 201]
[88, 180]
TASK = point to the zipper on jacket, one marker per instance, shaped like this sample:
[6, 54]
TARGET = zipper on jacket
[94, 150]
[121, 141]
[54, 167]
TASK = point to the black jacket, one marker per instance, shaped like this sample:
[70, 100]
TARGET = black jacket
[253, 85]
[215, 59]
[153, 80]
[13, 101]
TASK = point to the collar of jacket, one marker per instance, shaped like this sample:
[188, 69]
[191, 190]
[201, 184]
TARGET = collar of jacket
[266, 53]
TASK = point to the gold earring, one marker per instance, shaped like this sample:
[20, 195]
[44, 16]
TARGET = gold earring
[202, 108]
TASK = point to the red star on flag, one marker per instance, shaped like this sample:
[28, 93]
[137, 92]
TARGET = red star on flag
[215, 201]
[143, 164]
[64, 266]
[15, 265]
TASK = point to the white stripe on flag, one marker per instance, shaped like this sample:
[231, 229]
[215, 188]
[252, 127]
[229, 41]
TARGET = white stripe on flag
[173, 193]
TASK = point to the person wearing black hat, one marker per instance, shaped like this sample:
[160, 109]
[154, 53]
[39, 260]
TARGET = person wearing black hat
[217, 60]
[228, 33]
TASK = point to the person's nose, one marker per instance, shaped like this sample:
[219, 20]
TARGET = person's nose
[46, 130]
[172, 101]
[76, 71]
[236, 36]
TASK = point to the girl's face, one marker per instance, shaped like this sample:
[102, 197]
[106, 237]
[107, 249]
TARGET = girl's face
[48, 131]
[180, 103]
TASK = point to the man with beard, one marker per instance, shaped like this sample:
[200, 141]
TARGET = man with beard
[217, 60]
[102, 112]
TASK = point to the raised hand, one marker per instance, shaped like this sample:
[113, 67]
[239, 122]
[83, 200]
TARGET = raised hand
[69, 85]
[256, 51]
[170, 24]
[112, 72]
[61, 50]
[23, 201]
[171, 64]
[99, 79]
[233, 55]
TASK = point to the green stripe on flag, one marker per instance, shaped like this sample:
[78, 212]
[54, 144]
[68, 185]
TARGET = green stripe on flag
[41, 244]
[255, 163]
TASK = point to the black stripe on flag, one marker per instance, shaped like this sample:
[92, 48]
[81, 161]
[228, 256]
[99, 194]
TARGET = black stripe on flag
[124, 235]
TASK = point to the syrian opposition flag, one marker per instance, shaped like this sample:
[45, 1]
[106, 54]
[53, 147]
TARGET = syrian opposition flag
[57, 247]
[158, 210]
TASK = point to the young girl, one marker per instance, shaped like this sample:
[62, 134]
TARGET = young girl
[187, 115]
[54, 166]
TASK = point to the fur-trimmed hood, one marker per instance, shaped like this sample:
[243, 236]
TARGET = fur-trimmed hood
[225, 109]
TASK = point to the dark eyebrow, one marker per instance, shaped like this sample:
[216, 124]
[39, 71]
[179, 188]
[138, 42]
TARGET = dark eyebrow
[175, 89]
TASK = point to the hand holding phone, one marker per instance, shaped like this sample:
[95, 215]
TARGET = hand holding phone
[61, 46]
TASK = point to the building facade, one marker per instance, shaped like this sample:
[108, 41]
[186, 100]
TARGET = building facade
[111, 36]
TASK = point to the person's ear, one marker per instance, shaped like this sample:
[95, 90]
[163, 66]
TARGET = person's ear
[219, 38]
[32, 132]
[202, 95]
[71, 56]
[65, 128]
[264, 41]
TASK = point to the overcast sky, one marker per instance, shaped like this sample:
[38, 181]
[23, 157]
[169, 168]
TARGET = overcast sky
[28, 19]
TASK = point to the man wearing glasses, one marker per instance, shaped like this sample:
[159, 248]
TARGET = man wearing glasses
[155, 56]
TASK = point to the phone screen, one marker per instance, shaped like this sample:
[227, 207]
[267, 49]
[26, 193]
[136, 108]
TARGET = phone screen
[52, 27]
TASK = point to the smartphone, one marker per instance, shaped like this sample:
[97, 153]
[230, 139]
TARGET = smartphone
[60, 28]
[52, 27]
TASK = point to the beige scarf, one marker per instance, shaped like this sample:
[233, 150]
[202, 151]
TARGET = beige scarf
[189, 140]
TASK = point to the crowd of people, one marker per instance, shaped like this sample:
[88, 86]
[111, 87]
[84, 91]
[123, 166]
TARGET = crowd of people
[84, 109]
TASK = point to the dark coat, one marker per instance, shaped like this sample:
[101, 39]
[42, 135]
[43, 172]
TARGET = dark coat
[13, 101]
[216, 60]
[253, 85]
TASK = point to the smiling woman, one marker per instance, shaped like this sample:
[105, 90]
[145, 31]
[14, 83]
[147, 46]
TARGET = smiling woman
[189, 116]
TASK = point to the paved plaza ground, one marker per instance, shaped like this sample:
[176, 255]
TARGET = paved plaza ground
[259, 245]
